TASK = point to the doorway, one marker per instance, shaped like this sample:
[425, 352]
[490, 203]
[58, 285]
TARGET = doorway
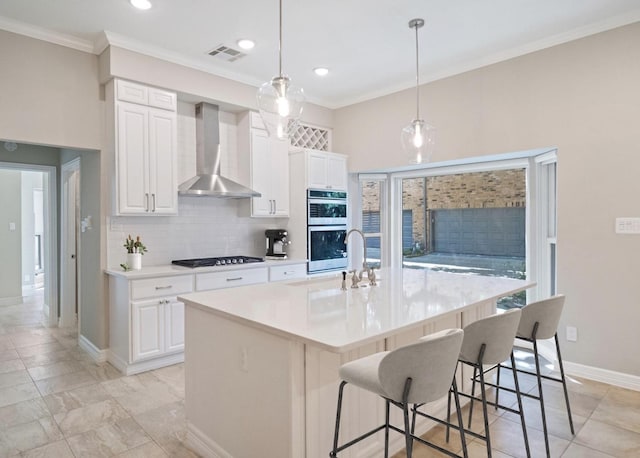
[33, 261]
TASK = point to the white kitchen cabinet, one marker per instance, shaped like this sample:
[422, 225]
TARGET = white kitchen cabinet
[230, 278]
[146, 321]
[145, 131]
[287, 272]
[264, 167]
[322, 170]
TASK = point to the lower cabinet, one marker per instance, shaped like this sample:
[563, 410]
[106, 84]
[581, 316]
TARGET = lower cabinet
[157, 328]
[146, 322]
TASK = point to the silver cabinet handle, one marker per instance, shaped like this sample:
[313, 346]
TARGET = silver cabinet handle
[275, 206]
[234, 279]
[153, 197]
[164, 287]
[146, 202]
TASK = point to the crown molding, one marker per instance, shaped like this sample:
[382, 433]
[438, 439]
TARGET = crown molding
[40, 33]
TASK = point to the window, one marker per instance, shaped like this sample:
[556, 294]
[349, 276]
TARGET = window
[372, 193]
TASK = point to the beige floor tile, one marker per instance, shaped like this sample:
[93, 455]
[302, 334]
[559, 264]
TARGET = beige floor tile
[90, 417]
[31, 338]
[609, 439]
[148, 450]
[34, 350]
[11, 365]
[578, 451]
[54, 369]
[76, 398]
[26, 436]
[172, 376]
[23, 412]
[64, 382]
[582, 404]
[8, 354]
[44, 359]
[478, 449]
[506, 436]
[164, 422]
[102, 372]
[620, 408]
[141, 393]
[18, 393]
[14, 378]
[59, 449]
[109, 440]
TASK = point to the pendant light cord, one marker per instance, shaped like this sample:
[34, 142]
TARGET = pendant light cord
[417, 77]
[280, 44]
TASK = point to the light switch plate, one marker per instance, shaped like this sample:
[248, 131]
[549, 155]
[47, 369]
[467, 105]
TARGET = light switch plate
[572, 334]
[627, 225]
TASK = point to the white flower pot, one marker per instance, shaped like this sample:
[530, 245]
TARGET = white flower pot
[134, 260]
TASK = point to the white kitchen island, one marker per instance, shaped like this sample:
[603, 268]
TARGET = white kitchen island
[261, 361]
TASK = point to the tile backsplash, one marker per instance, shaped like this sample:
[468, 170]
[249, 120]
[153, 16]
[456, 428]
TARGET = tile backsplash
[204, 226]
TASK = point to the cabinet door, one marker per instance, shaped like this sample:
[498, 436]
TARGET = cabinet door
[133, 159]
[337, 173]
[317, 171]
[163, 182]
[174, 325]
[261, 173]
[280, 177]
[147, 329]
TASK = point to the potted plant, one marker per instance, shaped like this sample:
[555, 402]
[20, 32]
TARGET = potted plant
[135, 250]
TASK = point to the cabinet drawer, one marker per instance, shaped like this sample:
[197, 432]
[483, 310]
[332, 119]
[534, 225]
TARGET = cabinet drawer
[231, 278]
[162, 99]
[289, 272]
[132, 92]
[161, 286]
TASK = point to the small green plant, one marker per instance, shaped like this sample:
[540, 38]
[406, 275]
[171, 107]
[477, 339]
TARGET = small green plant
[134, 246]
[125, 267]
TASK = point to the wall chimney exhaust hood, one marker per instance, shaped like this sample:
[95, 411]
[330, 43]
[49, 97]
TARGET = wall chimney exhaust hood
[208, 181]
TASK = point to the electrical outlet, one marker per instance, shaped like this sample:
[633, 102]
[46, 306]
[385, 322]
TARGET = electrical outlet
[572, 334]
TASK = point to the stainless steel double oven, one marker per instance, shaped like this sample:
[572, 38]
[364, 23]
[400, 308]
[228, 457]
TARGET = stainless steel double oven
[326, 230]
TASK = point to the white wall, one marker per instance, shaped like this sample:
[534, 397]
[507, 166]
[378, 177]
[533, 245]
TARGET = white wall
[582, 97]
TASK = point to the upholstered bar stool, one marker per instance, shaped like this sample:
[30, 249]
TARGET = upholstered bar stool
[539, 321]
[418, 373]
[488, 342]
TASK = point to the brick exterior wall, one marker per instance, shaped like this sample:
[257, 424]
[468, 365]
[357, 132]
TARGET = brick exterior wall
[494, 189]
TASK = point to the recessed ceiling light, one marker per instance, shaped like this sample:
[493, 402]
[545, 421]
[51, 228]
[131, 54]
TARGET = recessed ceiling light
[321, 71]
[141, 4]
[246, 44]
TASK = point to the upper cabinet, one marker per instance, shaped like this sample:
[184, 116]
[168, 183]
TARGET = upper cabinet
[264, 166]
[323, 170]
[145, 132]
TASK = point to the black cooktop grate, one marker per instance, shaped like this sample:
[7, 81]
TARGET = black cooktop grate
[218, 261]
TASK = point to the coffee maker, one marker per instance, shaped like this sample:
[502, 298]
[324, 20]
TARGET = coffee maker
[276, 243]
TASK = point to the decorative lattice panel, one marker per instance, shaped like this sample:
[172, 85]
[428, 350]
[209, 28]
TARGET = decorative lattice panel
[311, 137]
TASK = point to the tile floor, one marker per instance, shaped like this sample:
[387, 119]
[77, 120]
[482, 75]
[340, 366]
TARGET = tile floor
[56, 402]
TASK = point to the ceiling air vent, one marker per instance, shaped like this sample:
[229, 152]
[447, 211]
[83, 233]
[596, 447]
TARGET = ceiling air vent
[226, 53]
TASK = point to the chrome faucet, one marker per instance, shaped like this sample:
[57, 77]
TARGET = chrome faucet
[365, 267]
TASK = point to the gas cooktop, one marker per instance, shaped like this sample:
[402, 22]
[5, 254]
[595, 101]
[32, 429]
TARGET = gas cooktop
[219, 261]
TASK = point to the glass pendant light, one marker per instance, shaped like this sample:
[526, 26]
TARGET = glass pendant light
[279, 101]
[418, 138]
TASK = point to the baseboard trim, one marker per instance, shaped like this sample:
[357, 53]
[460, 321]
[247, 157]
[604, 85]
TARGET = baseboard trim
[143, 366]
[620, 379]
[11, 300]
[200, 443]
[99, 356]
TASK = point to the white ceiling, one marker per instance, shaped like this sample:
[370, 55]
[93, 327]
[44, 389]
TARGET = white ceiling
[366, 44]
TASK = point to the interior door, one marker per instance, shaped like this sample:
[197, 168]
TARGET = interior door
[69, 262]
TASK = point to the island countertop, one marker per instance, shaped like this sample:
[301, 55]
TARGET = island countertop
[316, 311]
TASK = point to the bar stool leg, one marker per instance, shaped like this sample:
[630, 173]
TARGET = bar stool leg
[454, 385]
[473, 393]
[540, 395]
[498, 385]
[484, 411]
[334, 452]
[517, 387]
[405, 410]
[386, 429]
[564, 384]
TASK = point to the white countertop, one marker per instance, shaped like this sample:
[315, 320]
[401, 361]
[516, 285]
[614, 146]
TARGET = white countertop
[170, 269]
[316, 311]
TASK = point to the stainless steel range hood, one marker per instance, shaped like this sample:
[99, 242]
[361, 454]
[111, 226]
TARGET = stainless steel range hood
[208, 181]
